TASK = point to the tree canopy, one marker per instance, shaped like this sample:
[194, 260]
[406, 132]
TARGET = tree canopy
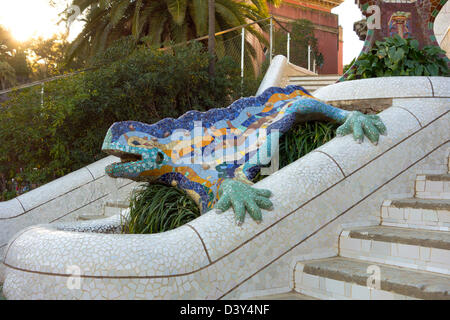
[157, 22]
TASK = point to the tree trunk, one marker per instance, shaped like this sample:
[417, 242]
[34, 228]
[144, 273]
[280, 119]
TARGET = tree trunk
[211, 38]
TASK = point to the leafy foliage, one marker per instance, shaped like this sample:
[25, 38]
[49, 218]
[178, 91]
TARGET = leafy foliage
[158, 22]
[41, 142]
[159, 208]
[48, 55]
[7, 75]
[304, 138]
[348, 66]
[12, 55]
[301, 140]
[396, 56]
[37, 139]
[34, 59]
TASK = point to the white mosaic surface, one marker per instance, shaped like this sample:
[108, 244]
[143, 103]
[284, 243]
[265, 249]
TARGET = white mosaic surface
[84, 191]
[378, 88]
[212, 257]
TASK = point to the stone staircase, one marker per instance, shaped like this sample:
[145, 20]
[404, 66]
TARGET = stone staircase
[110, 208]
[406, 257]
[312, 83]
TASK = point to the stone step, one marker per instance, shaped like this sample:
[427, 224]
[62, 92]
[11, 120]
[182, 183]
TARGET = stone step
[112, 208]
[345, 278]
[310, 89]
[410, 248]
[433, 186]
[284, 296]
[88, 217]
[312, 83]
[331, 77]
[432, 214]
[319, 83]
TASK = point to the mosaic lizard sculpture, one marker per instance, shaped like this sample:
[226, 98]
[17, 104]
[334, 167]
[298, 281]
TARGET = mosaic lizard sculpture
[214, 155]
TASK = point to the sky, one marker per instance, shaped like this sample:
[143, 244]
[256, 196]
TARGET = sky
[348, 14]
[33, 18]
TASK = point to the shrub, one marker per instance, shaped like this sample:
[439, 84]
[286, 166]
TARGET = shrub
[396, 56]
[301, 140]
[37, 140]
[159, 208]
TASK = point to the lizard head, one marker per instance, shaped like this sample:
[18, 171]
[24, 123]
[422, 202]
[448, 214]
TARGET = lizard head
[139, 152]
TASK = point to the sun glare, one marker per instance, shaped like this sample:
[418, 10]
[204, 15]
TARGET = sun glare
[28, 19]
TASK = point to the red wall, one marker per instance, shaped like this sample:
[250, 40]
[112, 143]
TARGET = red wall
[326, 32]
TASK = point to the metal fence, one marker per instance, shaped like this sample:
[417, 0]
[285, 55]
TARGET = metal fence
[251, 45]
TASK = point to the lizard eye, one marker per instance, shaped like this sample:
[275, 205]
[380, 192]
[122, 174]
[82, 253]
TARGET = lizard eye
[159, 158]
[136, 143]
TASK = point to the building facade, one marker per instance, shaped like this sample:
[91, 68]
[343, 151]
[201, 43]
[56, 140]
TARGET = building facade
[326, 28]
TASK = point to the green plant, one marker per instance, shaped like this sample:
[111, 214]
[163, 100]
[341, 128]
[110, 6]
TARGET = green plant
[396, 56]
[7, 75]
[301, 140]
[1, 293]
[304, 138]
[348, 66]
[158, 22]
[159, 208]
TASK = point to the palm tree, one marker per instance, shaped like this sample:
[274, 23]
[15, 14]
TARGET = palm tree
[159, 22]
[211, 34]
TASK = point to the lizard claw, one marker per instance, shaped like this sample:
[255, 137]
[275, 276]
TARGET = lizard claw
[243, 197]
[360, 124]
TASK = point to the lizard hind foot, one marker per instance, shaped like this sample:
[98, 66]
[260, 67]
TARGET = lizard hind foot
[243, 198]
[362, 125]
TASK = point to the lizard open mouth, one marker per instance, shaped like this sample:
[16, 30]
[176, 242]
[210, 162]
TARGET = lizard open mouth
[129, 157]
[124, 166]
[131, 164]
[125, 157]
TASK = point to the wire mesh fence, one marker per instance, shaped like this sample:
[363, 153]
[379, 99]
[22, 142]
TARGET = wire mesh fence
[252, 46]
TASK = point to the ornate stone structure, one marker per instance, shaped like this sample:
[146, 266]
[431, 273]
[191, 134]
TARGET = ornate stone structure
[407, 18]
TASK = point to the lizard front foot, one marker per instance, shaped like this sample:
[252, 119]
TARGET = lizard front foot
[243, 197]
[360, 124]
